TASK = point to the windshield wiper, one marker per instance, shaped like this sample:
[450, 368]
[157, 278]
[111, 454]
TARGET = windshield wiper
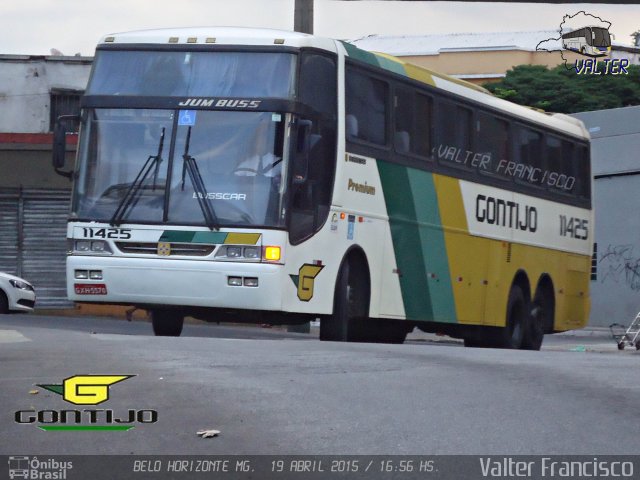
[190, 165]
[152, 163]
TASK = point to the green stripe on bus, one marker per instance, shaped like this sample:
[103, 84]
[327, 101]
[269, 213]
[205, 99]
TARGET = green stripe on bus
[418, 243]
[209, 237]
[182, 236]
[407, 245]
[373, 59]
[362, 55]
[392, 66]
[176, 236]
[434, 249]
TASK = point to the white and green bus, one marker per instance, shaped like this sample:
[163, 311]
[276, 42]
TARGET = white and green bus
[234, 174]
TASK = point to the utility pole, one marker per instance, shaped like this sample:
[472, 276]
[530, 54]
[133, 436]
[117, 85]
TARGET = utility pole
[303, 16]
[303, 23]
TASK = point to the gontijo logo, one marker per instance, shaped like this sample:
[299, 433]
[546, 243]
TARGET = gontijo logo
[85, 390]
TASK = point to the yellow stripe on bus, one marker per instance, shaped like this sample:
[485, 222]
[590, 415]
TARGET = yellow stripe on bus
[482, 269]
[242, 238]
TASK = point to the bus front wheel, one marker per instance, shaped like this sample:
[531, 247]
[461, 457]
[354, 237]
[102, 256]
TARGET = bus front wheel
[350, 306]
[167, 323]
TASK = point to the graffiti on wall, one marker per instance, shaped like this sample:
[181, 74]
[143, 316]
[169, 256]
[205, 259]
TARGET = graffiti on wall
[621, 265]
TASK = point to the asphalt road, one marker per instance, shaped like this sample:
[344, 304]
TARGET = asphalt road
[272, 392]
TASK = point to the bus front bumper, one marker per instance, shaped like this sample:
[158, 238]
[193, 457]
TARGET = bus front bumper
[146, 281]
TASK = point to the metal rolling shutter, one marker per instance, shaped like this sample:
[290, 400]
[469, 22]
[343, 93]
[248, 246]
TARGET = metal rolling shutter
[9, 200]
[44, 244]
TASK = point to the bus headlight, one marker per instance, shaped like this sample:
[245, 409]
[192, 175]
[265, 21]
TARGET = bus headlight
[99, 246]
[251, 252]
[83, 245]
[93, 246]
[238, 253]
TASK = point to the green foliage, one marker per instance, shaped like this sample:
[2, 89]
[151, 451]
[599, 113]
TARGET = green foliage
[562, 90]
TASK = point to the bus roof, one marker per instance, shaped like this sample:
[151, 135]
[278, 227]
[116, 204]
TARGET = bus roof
[220, 36]
[266, 36]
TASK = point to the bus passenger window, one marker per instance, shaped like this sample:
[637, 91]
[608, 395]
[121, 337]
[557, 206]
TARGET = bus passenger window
[454, 135]
[412, 131]
[403, 114]
[366, 100]
[528, 153]
[492, 145]
[422, 126]
[583, 173]
[556, 180]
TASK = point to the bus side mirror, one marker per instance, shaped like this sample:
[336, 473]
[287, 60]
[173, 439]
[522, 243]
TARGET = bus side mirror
[300, 165]
[59, 149]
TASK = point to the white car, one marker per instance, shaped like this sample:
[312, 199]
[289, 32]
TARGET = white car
[16, 294]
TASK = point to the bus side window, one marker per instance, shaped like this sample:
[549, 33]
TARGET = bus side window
[528, 152]
[403, 115]
[412, 130]
[492, 150]
[554, 161]
[423, 125]
[583, 173]
[366, 100]
[454, 134]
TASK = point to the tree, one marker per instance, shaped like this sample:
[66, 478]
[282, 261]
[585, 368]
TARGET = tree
[562, 90]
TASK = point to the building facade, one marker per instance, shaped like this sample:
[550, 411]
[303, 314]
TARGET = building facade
[615, 151]
[482, 57]
[34, 200]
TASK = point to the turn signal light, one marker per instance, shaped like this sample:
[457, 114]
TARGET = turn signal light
[271, 254]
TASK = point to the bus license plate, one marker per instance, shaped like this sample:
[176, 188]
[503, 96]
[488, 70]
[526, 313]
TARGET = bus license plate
[90, 289]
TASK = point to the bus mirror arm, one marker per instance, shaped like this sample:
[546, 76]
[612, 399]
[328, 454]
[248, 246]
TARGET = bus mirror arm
[59, 149]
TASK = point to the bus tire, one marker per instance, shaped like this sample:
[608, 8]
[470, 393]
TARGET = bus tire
[350, 306]
[167, 323]
[510, 336]
[539, 317]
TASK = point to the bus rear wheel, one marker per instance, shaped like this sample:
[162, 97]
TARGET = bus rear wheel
[511, 335]
[167, 323]
[539, 318]
[350, 306]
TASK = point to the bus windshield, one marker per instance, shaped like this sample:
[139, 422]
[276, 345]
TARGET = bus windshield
[601, 37]
[228, 74]
[233, 161]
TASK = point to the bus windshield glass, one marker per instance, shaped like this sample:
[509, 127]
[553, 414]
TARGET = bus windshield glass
[601, 37]
[154, 169]
[228, 74]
